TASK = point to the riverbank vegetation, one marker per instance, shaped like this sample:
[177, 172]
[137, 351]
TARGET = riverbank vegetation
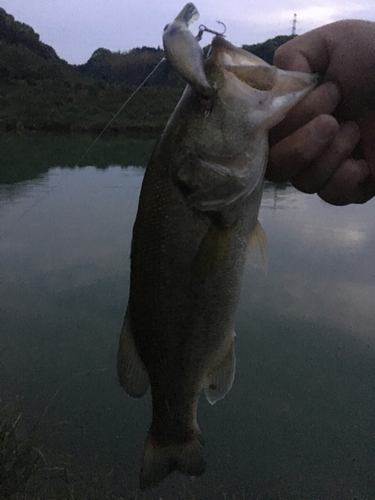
[40, 91]
[32, 154]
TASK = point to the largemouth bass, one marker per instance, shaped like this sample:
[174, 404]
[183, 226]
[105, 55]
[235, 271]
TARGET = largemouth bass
[197, 218]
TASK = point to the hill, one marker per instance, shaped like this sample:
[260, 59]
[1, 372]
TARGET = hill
[267, 49]
[13, 32]
[130, 67]
[40, 91]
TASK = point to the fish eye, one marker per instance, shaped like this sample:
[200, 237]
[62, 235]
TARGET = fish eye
[166, 27]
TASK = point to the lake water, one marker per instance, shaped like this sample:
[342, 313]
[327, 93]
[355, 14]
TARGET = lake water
[299, 422]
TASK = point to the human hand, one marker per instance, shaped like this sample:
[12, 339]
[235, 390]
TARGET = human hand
[326, 144]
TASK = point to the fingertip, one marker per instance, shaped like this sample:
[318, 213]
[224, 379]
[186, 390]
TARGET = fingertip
[323, 129]
[334, 156]
[351, 183]
[293, 154]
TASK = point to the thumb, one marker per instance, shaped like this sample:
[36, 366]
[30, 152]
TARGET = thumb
[307, 53]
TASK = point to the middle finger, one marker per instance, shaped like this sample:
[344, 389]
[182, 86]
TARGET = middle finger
[317, 174]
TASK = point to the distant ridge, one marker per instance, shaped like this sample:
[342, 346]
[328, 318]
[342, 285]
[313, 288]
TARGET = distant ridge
[266, 49]
[40, 91]
[15, 33]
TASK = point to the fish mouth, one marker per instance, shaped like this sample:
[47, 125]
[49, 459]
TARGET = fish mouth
[253, 71]
[247, 67]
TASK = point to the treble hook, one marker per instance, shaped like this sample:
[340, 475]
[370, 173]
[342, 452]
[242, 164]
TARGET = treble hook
[203, 28]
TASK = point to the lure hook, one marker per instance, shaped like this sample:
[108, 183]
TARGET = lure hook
[203, 28]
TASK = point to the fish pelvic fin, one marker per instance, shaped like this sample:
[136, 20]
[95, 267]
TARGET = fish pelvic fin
[257, 248]
[220, 379]
[130, 369]
[159, 461]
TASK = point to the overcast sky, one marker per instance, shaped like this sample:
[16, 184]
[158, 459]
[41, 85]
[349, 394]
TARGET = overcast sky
[76, 28]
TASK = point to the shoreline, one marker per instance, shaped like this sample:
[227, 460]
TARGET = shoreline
[128, 131]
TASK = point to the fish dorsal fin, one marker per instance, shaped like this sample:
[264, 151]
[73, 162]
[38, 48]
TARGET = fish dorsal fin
[220, 379]
[257, 248]
[130, 369]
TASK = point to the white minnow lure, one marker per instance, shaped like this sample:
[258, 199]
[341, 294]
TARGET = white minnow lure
[184, 52]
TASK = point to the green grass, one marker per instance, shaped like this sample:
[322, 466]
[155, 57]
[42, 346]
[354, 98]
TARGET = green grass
[20, 459]
[25, 475]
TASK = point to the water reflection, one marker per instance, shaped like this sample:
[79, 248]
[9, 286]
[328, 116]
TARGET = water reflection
[299, 420]
[31, 155]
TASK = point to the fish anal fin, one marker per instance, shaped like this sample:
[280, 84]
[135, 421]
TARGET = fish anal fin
[220, 379]
[159, 461]
[257, 248]
[130, 369]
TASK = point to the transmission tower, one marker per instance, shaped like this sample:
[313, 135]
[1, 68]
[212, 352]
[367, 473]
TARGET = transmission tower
[294, 25]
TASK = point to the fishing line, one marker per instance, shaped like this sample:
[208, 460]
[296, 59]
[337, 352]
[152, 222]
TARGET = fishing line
[90, 147]
[119, 111]
[202, 29]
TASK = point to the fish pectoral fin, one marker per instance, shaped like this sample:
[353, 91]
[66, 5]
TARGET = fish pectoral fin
[130, 369]
[213, 251]
[221, 377]
[257, 248]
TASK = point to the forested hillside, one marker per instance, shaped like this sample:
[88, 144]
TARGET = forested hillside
[40, 91]
[15, 33]
[267, 49]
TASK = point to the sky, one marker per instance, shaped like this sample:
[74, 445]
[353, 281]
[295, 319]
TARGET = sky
[76, 28]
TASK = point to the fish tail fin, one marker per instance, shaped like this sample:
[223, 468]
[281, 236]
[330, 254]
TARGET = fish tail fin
[159, 461]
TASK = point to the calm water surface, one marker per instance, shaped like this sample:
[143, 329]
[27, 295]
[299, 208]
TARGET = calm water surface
[299, 422]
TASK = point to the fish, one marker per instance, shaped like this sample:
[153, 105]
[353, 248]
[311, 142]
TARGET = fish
[196, 224]
[188, 63]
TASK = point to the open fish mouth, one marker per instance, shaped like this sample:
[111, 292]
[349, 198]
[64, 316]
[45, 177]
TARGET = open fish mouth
[254, 71]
